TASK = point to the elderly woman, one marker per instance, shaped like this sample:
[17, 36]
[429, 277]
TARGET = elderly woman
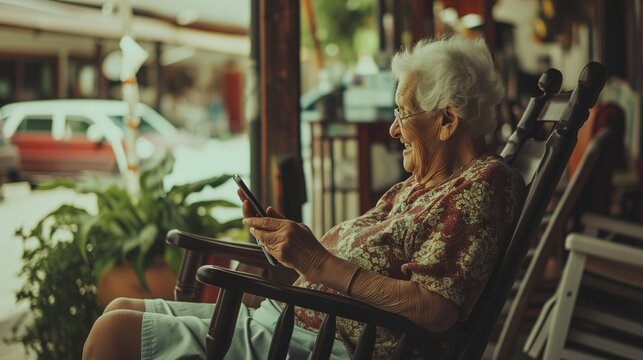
[425, 251]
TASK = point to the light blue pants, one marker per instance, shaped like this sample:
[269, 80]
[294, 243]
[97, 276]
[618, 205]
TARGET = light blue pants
[177, 330]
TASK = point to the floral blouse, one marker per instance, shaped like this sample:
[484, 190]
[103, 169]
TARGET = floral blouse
[445, 238]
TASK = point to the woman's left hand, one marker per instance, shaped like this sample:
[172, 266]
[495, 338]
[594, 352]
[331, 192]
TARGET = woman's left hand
[291, 243]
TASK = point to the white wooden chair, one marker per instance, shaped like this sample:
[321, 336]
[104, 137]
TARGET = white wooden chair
[597, 311]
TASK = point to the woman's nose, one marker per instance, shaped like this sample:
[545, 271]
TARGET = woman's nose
[394, 129]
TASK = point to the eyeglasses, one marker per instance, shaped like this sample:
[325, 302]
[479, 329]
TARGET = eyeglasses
[400, 117]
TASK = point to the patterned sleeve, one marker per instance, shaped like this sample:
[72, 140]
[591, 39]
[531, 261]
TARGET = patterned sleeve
[386, 201]
[463, 234]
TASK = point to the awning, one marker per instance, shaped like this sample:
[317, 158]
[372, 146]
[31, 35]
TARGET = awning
[88, 22]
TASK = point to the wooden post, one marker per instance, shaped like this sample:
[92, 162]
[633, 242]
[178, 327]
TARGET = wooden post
[379, 13]
[638, 148]
[279, 87]
[398, 24]
[489, 27]
[421, 15]
[418, 14]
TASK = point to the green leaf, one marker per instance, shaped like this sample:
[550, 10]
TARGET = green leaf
[102, 266]
[209, 204]
[86, 226]
[152, 178]
[146, 240]
[142, 241]
[232, 224]
[95, 185]
[171, 216]
[139, 269]
[19, 232]
[53, 184]
[112, 227]
[118, 204]
[178, 193]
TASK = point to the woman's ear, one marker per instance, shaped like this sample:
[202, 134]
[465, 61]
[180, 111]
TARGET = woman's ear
[449, 123]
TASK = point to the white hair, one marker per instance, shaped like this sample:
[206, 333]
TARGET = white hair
[456, 72]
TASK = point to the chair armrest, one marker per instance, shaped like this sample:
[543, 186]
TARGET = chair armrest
[601, 222]
[604, 249]
[250, 254]
[329, 303]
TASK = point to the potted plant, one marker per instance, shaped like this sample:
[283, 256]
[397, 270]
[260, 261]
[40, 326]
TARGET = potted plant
[68, 253]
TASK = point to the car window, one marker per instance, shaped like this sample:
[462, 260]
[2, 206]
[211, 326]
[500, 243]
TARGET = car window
[144, 126]
[77, 125]
[35, 123]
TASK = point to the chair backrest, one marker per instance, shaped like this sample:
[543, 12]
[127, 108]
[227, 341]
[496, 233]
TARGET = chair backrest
[592, 163]
[528, 127]
[558, 149]
[595, 197]
[526, 145]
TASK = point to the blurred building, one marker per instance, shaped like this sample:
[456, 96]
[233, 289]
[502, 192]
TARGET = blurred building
[68, 49]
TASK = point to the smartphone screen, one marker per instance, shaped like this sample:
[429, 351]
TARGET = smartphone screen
[250, 196]
[258, 209]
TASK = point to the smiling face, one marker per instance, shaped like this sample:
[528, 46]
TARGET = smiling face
[417, 133]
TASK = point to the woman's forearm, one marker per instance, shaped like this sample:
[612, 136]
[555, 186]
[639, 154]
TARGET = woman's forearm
[333, 272]
[405, 298]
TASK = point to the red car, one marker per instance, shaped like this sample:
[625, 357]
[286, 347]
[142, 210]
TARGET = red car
[71, 137]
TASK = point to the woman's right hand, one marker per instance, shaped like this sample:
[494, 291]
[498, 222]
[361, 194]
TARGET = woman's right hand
[290, 241]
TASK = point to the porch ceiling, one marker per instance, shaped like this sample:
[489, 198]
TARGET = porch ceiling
[59, 17]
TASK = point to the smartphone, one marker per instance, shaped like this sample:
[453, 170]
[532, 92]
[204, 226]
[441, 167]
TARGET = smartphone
[258, 208]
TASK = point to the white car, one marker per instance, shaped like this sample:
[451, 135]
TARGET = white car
[66, 137]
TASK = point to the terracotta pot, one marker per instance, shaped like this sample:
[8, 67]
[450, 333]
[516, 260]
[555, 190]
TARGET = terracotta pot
[121, 281]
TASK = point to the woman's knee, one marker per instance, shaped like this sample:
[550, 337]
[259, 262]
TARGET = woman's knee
[115, 335]
[123, 303]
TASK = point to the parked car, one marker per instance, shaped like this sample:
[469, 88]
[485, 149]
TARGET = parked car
[68, 137]
[9, 160]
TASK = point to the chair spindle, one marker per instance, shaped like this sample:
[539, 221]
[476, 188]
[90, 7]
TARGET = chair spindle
[366, 343]
[224, 318]
[403, 350]
[283, 334]
[325, 338]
